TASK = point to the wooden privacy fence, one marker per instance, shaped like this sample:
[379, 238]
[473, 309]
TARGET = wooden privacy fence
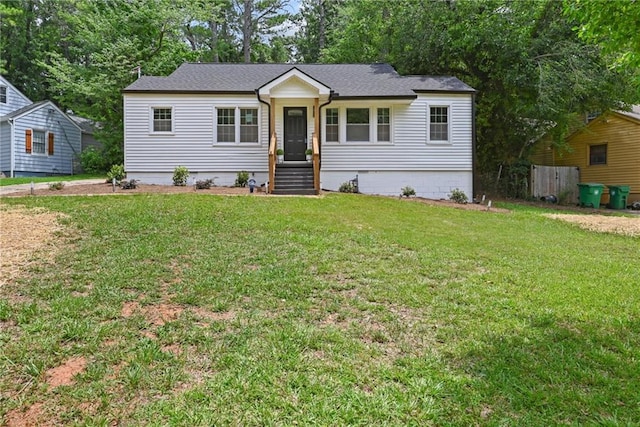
[559, 181]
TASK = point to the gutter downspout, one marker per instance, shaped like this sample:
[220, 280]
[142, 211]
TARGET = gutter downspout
[268, 111]
[320, 119]
[12, 155]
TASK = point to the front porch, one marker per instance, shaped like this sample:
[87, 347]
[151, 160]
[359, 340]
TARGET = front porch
[294, 101]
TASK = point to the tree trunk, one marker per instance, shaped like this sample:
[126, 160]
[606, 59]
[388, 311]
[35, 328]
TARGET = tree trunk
[214, 40]
[247, 27]
[321, 27]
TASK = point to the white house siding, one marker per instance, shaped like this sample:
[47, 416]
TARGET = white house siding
[152, 157]
[432, 169]
[15, 99]
[5, 145]
[67, 143]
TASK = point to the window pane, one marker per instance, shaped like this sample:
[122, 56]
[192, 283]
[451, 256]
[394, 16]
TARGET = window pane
[439, 124]
[357, 116]
[332, 124]
[384, 125]
[357, 124]
[248, 125]
[162, 119]
[3, 94]
[598, 154]
[226, 129]
[38, 142]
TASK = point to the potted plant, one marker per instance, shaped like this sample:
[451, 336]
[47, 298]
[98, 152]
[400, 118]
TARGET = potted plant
[308, 152]
[280, 154]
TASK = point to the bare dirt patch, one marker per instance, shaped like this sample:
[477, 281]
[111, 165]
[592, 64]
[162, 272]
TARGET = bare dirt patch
[24, 236]
[31, 417]
[63, 374]
[465, 206]
[603, 223]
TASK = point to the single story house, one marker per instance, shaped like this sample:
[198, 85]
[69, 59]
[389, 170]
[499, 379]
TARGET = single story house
[606, 151]
[36, 139]
[356, 120]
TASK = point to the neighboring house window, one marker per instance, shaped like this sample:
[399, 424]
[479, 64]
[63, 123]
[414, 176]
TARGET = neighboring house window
[598, 154]
[357, 124]
[331, 125]
[39, 146]
[248, 125]
[439, 124]
[226, 125]
[162, 120]
[384, 125]
[3, 94]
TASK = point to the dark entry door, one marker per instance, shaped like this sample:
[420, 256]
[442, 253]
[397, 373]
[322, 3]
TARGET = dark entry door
[295, 133]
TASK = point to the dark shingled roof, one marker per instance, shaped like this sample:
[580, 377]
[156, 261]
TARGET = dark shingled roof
[23, 110]
[346, 80]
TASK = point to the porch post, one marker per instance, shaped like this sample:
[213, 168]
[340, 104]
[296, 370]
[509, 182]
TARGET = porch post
[316, 116]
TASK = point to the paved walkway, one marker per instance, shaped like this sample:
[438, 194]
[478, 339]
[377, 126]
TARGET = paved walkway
[8, 189]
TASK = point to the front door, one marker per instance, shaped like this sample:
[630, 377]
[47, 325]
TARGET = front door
[295, 133]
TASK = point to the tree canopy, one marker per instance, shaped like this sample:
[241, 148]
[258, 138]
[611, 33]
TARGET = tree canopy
[535, 65]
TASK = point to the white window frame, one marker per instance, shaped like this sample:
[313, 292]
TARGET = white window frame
[45, 141]
[4, 89]
[152, 110]
[373, 124]
[388, 107]
[324, 121]
[236, 122]
[439, 141]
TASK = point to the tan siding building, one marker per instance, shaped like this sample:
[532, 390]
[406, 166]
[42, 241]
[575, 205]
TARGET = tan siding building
[607, 151]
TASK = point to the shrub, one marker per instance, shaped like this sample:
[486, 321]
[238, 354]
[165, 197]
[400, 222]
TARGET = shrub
[56, 186]
[347, 187]
[458, 196]
[180, 176]
[242, 179]
[117, 172]
[92, 161]
[279, 152]
[308, 151]
[204, 184]
[408, 191]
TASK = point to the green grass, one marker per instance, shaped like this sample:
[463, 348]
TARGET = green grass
[342, 310]
[36, 179]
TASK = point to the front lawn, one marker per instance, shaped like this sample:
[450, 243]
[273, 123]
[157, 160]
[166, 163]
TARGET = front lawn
[342, 310]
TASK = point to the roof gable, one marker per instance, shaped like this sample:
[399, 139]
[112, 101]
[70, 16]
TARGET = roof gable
[294, 77]
[15, 115]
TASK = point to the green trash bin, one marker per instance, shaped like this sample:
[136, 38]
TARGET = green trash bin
[618, 195]
[590, 194]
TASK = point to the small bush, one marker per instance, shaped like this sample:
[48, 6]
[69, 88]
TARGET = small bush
[92, 161]
[408, 191]
[242, 179]
[117, 172]
[347, 187]
[56, 186]
[180, 176]
[204, 184]
[458, 196]
[279, 152]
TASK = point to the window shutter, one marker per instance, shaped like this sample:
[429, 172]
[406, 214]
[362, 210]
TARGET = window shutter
[50, 143]
[27, 140]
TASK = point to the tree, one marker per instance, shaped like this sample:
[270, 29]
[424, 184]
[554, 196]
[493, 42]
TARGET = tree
[614, 25]
[259, 20]
[532, 74]
[316, 22]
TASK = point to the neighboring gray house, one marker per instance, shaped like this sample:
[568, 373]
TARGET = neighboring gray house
[35, 138]
[361, 120]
